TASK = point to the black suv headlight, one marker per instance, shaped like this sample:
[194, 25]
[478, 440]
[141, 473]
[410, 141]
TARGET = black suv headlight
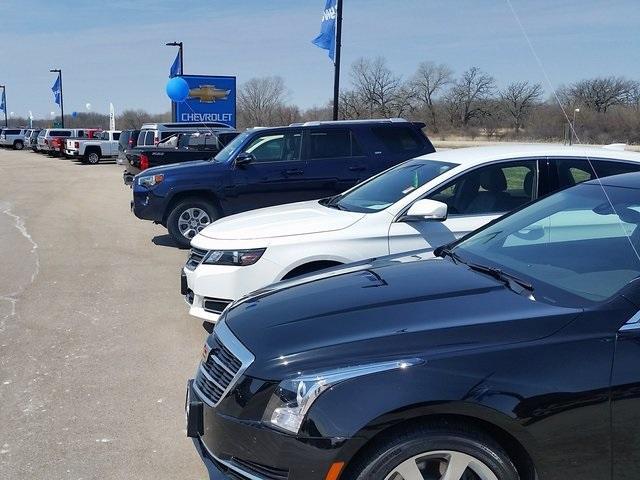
[294, 397]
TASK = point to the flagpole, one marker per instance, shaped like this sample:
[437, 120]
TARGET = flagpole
[336, 81]
[181, 53]
[59, 72]
[4, 96]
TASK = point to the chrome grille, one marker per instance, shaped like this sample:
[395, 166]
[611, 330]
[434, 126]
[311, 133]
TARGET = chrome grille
[224, 365]
[195, 257]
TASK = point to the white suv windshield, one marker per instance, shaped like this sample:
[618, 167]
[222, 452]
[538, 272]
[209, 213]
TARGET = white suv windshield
[384, 190]
[571, 245]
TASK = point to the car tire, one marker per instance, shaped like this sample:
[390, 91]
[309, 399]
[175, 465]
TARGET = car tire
[18, 145]
[188, 217]
[429, 450]
[92, 157]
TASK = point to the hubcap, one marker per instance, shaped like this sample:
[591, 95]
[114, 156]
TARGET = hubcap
[93, 158]
[442, 465]
[192, 221]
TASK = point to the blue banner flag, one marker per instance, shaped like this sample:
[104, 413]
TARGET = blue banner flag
[57, 93]
[327, 37]
[3, 101]
[175, 71]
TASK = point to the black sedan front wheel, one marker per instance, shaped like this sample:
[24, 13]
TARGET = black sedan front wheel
[188, 218]
[438, 453]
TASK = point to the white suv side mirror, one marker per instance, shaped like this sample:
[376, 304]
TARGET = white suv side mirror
[426, 209]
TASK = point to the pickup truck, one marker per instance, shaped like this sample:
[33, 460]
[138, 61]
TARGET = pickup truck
[93, 150]
[179, 148]
[58, 144]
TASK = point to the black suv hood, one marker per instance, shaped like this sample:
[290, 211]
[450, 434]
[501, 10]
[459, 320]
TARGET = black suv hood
[390, 308]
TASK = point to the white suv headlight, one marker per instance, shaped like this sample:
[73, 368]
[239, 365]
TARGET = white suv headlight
[294, 397]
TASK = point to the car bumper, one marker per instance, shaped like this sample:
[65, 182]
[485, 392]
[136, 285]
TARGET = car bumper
[213, 282]
[147, 206]
[71, 153]
[247, 450]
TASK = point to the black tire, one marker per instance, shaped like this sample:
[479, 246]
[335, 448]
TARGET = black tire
[92, 157]
[393, 450]
[18, 145]
[182, 237]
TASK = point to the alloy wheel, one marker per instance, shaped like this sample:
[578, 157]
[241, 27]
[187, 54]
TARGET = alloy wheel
[192, 221]
[94, 158]
[442, 465]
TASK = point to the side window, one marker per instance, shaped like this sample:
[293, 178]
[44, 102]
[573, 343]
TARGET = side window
[398, 139]
[492, 189]
[574, 171]
[275, 147]
[332, 143]
[80, 133]
[116, 136]
[608, 168]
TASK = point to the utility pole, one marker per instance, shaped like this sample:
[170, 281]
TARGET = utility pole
[336, 80]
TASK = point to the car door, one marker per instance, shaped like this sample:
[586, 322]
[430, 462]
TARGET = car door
[473, 199]
[335, 161]
[275, 175]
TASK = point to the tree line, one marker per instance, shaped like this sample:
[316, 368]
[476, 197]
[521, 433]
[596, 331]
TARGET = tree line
[469, 105]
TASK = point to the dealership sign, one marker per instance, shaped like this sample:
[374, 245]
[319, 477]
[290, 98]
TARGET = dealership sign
[211, 99]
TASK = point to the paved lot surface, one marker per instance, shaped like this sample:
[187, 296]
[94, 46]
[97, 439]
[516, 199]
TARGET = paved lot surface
[95, 341]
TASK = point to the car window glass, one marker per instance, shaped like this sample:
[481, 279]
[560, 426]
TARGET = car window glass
[332, 143]
[574, 171]
[398, 139]
[275, 147]
[116, 136]
[492, 189]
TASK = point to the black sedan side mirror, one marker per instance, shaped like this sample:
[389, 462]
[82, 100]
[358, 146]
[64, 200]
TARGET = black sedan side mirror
[244, 159]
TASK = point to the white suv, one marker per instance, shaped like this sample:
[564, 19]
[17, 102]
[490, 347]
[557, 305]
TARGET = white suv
[13, 137]
[418, 205]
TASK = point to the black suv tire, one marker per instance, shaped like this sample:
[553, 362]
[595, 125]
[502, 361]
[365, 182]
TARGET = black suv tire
[394, 450]
[188, 206]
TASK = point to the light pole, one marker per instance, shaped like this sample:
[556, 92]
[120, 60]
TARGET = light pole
[4, 96]
[573, 126]
[59, 72]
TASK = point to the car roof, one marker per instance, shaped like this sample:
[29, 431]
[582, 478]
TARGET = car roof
[479, 155]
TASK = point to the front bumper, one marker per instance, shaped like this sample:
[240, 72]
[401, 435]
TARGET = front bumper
[147, 205]
[236, 449]
[226, 282]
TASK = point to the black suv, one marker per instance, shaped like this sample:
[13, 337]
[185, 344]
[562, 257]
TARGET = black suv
[271, 166]
[513, 356]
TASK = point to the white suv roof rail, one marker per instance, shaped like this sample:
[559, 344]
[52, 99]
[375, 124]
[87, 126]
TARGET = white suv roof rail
[339, 122]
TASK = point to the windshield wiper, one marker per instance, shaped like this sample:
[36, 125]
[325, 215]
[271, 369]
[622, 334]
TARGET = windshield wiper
[448, 252]
[511, 281]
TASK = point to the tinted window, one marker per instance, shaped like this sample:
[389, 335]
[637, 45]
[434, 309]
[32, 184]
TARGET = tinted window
[124, 139]
[165, 135]
[488, 190]
[275, 147]
[59, 133]
[116, 136]
[332, 143]
[398, 139]
[574, 171]
[11, 132]
[384, 190]
[572, 246]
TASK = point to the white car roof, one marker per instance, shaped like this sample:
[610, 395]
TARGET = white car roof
[479, 155]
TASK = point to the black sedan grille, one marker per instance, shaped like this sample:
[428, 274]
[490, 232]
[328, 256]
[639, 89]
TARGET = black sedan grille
[222, 368]
[195, 257]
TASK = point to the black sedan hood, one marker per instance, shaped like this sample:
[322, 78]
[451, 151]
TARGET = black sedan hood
[402, 306]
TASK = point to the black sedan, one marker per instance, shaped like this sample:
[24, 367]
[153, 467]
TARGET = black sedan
[515, 355]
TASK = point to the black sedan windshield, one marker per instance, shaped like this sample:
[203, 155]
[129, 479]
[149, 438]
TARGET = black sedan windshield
[386, 189]
[579, 244]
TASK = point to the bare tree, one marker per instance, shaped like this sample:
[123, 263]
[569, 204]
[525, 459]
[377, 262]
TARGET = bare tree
[428, 81]
[465, 101]
[600, 94]
[260, 100]
[379, 89]
[518, 99]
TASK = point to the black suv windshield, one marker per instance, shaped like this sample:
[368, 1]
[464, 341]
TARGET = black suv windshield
[573, 247]
[231, 149]
[386, 189]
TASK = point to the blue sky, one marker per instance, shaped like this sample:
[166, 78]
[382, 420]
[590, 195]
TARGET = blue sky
[114, 50]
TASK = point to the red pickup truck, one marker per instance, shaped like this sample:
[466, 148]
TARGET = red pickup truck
[57, 144]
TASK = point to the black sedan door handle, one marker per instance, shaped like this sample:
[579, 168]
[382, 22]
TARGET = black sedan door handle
[357, 168]
[293, 171]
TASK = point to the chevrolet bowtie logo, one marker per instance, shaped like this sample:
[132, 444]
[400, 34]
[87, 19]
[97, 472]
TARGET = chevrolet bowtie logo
[209, 93]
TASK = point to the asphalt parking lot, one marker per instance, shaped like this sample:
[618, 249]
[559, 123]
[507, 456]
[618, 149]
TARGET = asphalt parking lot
[95, 341]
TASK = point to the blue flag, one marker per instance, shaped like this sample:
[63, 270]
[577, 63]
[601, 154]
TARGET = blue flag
[3, 102]
[57, 92]
[175, 67]
[327, 37]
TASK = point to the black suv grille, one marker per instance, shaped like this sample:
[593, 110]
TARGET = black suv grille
[216, 374]
[195, 257]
